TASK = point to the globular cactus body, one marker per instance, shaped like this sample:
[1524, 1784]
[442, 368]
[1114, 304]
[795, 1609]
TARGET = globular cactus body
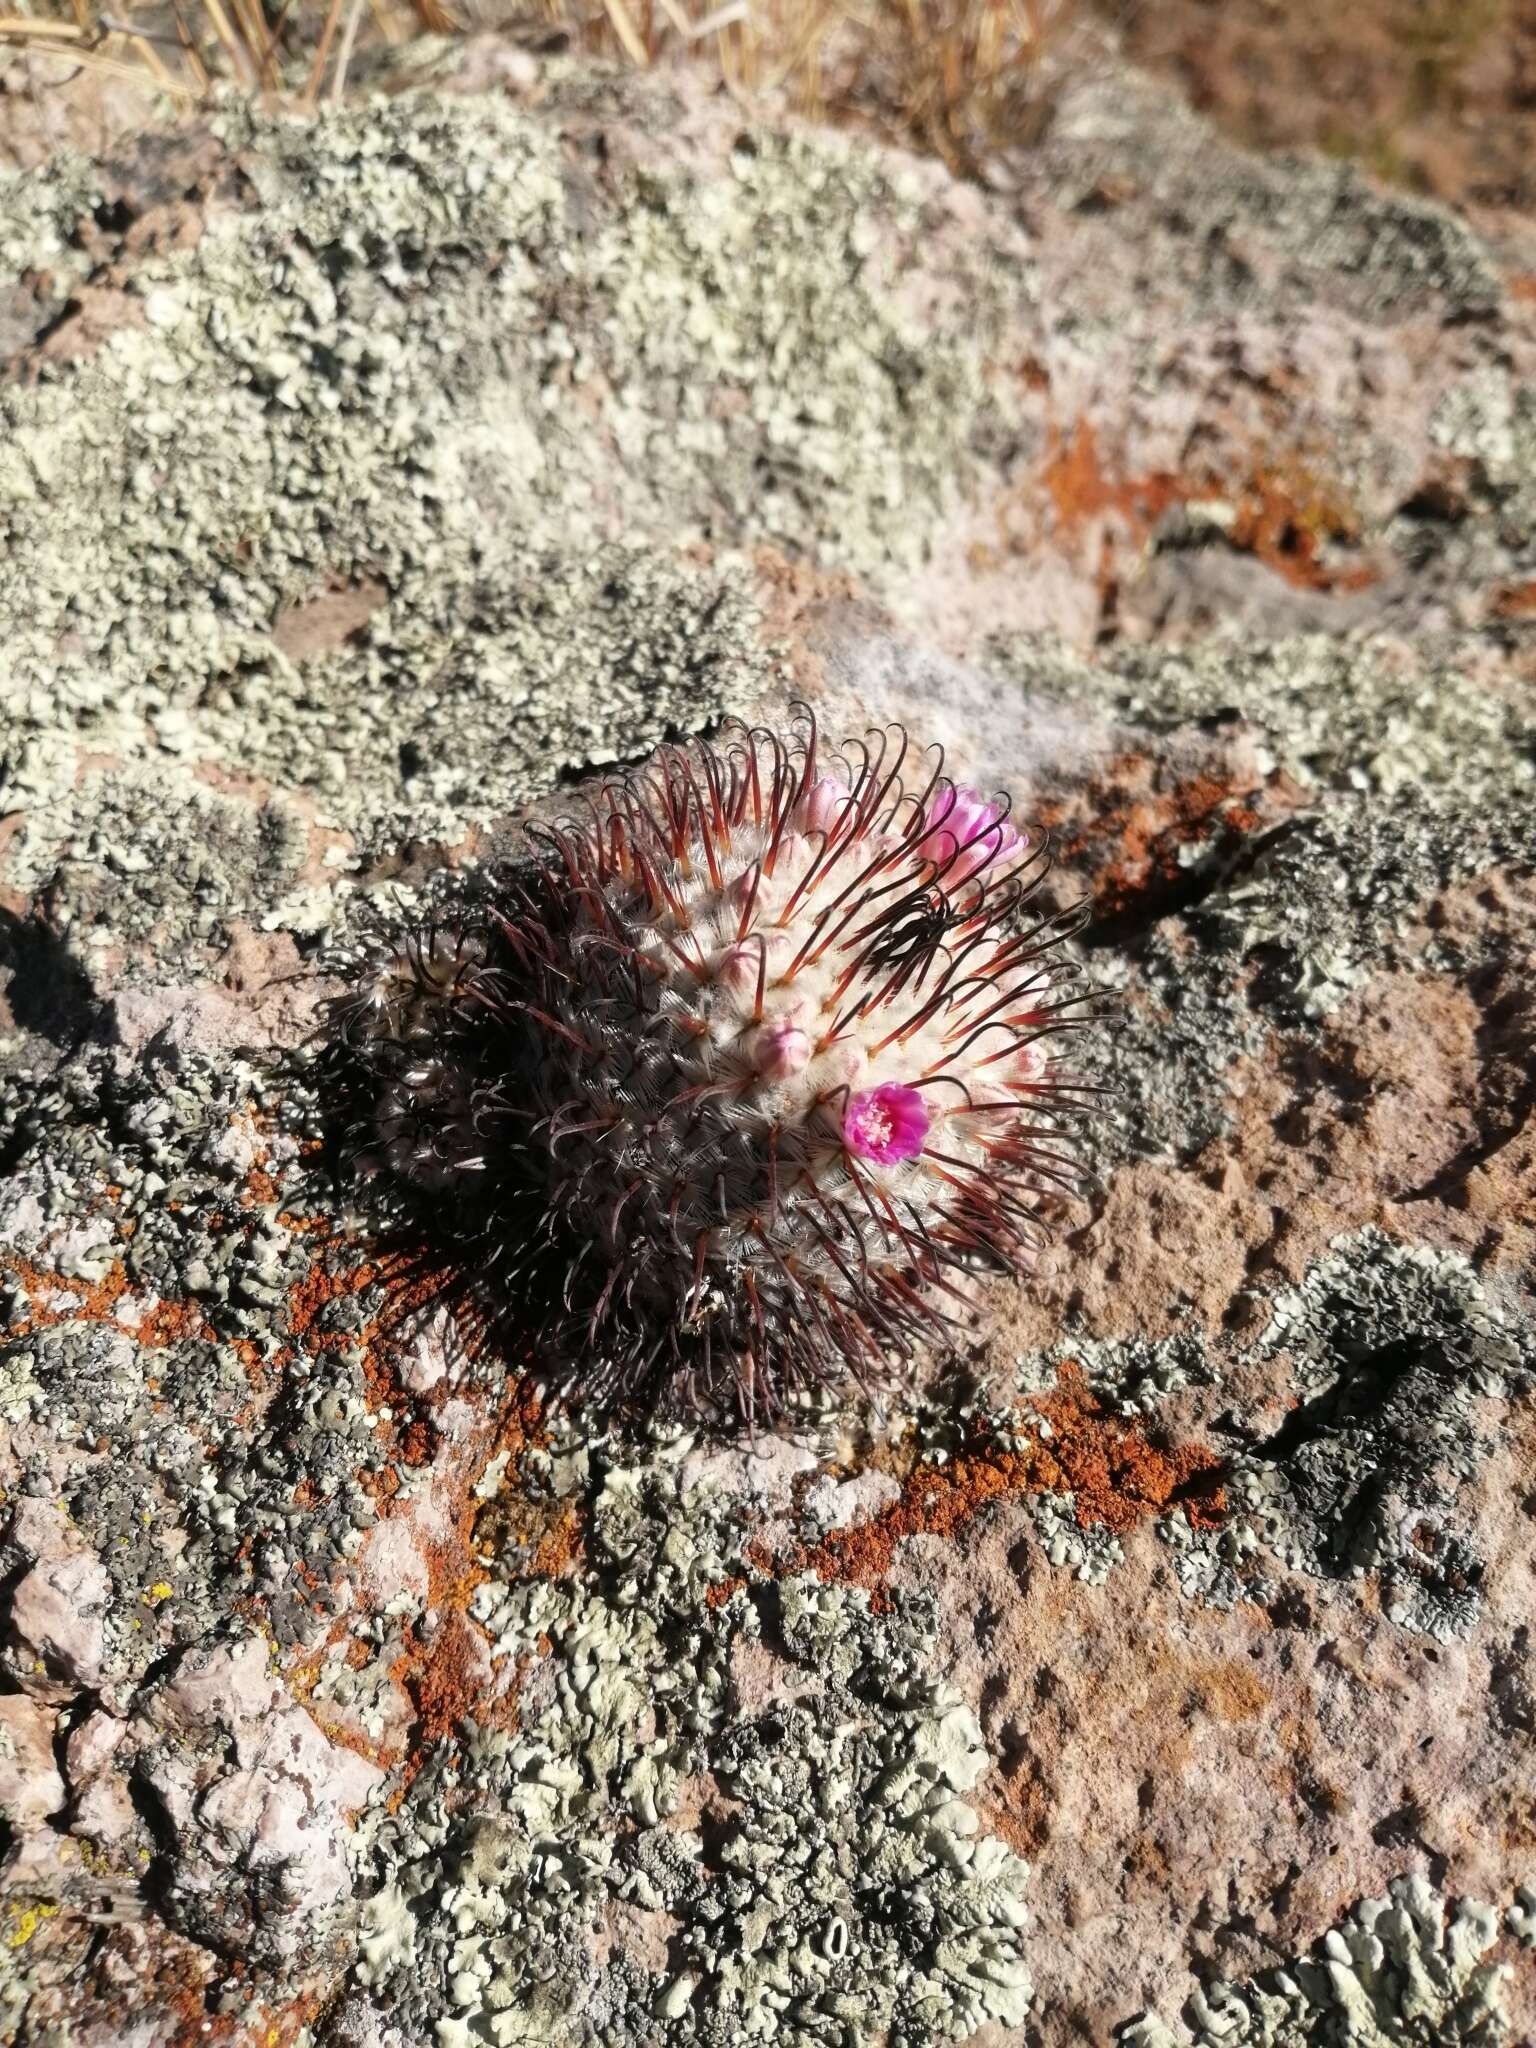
[725, 1084]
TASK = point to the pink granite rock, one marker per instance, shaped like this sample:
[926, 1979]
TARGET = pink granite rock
[54, 1643]
[31, 1789]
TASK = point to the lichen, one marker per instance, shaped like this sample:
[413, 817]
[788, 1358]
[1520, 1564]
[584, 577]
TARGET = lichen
[1407, 1970]
[1333, 235]
[1488, 421]
[395, 489]
[1413, 774]
[811, 1854]
[1133, 1375]
[154, 863]
[1390, 1347]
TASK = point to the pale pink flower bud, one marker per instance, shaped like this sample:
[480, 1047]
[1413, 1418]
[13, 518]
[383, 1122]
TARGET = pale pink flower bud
[780, 1048]
[824, 806]
[744, 889]
[738, 967]
[1030, 1064]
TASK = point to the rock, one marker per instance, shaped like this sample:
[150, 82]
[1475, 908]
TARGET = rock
[256, 1800]
[222, 1685]
[394, 1566]
[31, 1790]
[1156, 1665]
[54, 1642]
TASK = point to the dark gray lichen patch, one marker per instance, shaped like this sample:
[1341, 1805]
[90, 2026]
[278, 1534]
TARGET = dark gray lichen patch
[157, 865]
[1181, 1026]
[1391, 1350]
[167, 1382]
[1327, 897]
[1307, 231]
[1391, 1358]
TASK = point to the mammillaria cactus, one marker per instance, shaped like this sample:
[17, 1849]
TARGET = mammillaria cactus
[707, 1099]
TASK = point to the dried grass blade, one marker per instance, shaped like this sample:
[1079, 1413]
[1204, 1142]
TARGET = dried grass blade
[152, 58]
[384, 21]
[189, 47]
[624, 28]
[113, 67]
[238, 54]
[24, 26]
[344, 54]
[322, 54]
[723, 18]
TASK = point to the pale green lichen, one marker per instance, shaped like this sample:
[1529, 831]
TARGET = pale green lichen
[1132, 1375]
[518, 422]
[1340, 714]
[1408, 1970]
[158, 863]
[1488, 421]
[810, 1847]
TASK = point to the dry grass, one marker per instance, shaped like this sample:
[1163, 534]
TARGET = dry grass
[954, 76]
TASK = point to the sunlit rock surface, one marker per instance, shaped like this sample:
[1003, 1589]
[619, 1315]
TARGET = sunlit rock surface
[1160, 1670]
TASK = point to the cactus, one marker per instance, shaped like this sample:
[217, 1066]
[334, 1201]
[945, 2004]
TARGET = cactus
[708, 1097]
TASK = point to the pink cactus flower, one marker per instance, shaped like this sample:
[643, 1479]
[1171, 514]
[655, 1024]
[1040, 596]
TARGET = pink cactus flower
[780, 1049]
[963, 828]
[887, 1123]
[823, 807]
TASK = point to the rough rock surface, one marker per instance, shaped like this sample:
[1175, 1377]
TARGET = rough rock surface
[1161, 1670]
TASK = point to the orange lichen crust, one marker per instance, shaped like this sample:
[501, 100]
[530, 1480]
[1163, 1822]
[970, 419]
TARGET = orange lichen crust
[96, 1301]
[1115, 1473]
[1516, 600]
[1131, 834]
[1280, 509]
[1276, 505]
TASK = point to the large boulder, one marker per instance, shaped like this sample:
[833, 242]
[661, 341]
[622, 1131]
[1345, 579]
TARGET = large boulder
[1161, 1665]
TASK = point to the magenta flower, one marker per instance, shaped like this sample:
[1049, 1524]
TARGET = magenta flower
[886, 1123]
[965, 829]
